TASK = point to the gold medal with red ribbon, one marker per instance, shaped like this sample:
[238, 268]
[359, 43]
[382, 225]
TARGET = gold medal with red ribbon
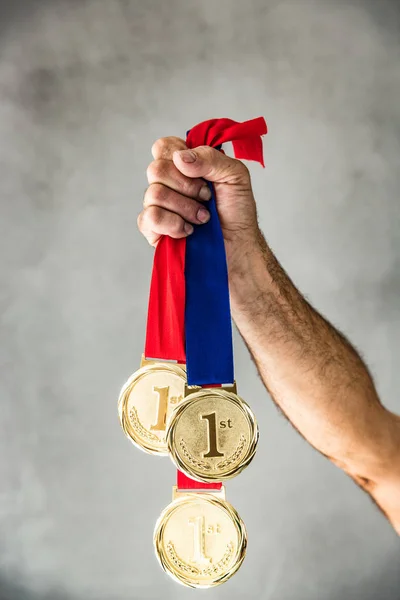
[183, 400]
[149, 396]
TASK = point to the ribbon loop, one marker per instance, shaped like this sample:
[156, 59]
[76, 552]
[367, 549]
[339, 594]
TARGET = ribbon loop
[245, 137]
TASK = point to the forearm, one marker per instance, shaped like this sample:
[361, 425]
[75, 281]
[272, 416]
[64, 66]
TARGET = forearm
[310, 370]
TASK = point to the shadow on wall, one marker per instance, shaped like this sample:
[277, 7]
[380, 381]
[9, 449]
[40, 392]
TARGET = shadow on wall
[21, 10]
[14, 11]
[13, 590]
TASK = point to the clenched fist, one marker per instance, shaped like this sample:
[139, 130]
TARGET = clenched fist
[176, 198]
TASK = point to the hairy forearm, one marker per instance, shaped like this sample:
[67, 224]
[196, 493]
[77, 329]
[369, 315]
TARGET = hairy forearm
[311, 371]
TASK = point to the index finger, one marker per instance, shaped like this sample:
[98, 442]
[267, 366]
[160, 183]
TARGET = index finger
[166, 146]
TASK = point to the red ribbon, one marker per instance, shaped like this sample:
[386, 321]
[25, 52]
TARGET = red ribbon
[165, 335]
[245, 137]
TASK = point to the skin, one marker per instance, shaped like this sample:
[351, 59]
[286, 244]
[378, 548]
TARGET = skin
[309, 368]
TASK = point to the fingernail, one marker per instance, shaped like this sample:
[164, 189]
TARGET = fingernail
[188, 228]
[188, 156]
[203, 215]
[205, 193]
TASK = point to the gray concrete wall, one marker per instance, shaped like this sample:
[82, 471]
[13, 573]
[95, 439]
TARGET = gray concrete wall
[85, 88]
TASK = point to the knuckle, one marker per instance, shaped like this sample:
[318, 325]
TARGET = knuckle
[158, 147]
[155, 194]
[166, 145]
[141, 223]
[209, 152]
[192, 211]
[190, 187]
[157, 170]
[151, 171]
[242, 169]
[176, 225]
[240, 173]
[205, 153]
[154, 215]
[159, 192]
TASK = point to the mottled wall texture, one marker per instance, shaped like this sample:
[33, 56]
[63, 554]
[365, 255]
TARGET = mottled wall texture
[86, 86]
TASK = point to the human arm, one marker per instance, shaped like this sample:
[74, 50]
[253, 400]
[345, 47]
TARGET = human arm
[311, 371]
[317, 378]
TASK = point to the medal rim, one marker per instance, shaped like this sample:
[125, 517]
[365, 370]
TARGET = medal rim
[123, 399]
[170, 435]
[190, 498]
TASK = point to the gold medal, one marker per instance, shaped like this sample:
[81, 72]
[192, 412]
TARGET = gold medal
[146, 402]
[212, 435]
[200, 540]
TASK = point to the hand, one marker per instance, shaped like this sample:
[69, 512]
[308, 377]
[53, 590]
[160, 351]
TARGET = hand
[176, 198]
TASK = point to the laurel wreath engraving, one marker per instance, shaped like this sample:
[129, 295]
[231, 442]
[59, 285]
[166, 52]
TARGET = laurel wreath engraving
[220, 565]
[210, 570]
[233, 457]
[140, 429]
[190, 458]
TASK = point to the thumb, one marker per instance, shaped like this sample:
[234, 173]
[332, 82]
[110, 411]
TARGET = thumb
[212, 165]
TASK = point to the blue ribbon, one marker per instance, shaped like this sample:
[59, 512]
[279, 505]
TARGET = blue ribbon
[208, 327]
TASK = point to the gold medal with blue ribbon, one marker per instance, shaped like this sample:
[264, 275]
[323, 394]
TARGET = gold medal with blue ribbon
[212, 435]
